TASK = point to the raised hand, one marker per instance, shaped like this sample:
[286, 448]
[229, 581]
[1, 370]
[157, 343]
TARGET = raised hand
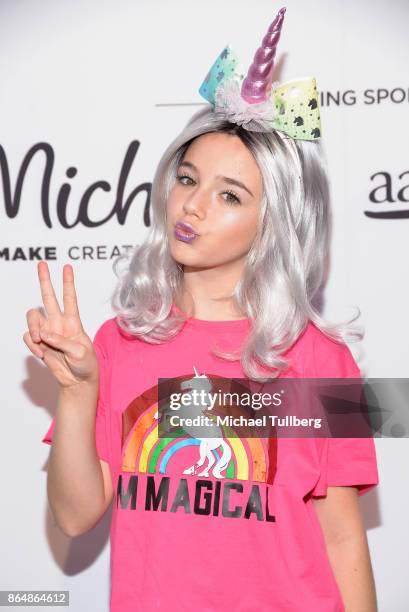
[60, 340]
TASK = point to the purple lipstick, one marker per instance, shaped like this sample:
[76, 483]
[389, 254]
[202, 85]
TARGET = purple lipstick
[184, 232]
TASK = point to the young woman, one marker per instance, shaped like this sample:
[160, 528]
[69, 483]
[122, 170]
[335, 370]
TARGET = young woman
[223, 286]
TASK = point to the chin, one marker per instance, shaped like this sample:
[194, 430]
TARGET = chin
[186, 260]
[189, 259]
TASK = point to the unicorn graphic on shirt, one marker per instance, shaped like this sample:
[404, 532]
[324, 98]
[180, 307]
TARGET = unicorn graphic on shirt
[209, 444]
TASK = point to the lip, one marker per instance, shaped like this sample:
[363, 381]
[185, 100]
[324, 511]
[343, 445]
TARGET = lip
[186, 227]
[185, 232]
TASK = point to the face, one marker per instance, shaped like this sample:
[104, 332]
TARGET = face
[218, 193]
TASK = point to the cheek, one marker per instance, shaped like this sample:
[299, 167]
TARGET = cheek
[173, 209]
[171, 203]
[239, 227]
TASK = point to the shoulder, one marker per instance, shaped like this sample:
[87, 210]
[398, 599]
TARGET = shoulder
[106, 331]
[323, 357]
[109, 334]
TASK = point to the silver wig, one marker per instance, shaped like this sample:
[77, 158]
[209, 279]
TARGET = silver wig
[285, 268]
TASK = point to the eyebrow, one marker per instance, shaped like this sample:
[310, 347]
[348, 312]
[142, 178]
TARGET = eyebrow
[231, 181]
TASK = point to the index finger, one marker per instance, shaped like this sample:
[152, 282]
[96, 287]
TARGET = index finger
[47, 290]
[69, 294]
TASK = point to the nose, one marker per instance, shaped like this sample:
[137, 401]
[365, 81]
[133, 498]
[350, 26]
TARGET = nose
[196, 203]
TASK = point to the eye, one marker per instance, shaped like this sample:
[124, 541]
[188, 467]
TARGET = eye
[179, 177]
[233, 198]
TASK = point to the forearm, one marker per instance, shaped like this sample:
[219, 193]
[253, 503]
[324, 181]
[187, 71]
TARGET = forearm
[75, 485]
[351, 564]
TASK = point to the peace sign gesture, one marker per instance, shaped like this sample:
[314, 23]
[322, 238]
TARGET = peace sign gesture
[60, 340]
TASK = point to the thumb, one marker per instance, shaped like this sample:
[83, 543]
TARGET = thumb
[59, 342]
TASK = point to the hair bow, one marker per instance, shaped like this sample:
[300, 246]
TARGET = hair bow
[254, 100]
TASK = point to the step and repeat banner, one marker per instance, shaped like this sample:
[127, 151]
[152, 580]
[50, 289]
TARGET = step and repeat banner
[92, 93]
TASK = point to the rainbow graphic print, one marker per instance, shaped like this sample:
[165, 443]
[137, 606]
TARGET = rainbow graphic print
[228, 456]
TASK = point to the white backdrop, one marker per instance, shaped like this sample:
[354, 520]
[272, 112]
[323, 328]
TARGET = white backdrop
[86, 78]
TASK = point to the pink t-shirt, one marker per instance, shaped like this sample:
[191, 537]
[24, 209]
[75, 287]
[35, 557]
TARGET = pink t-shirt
[247, 540]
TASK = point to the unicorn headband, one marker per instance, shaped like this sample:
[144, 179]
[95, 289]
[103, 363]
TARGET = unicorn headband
[256, 102]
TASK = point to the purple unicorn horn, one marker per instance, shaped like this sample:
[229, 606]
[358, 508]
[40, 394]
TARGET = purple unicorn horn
[257, 84]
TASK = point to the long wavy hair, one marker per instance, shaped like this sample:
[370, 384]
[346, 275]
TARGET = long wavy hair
[286, 265]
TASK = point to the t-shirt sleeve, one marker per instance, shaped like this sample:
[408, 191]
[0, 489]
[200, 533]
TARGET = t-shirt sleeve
[344, 461]
[100, 344]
